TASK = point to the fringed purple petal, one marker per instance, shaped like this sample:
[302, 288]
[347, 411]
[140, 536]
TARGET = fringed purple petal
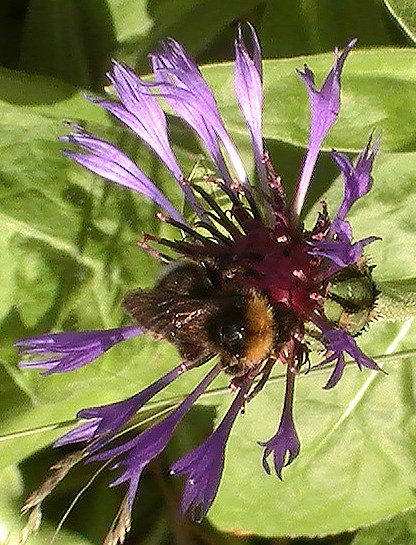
[324, 105]
[357, 179]
[181, 101]
[109, 162]
[248, 89]
[139, 451]
[136, 125]
[341, 253]
[173, 59]
[66, 352]
[204, 465]
[339, 249]
[178, 99]
[107, 420]
[338, 341]
[182, 85]
[81, 434]
[284, 445]
[141, 112]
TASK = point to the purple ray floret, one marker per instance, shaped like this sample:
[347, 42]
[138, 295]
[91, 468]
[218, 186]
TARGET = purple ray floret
[107, 420]
[182, 85]
[325, 104]
[249, 91]
[340, 252]
[136, 454]
[140, 111]
[357, 179]
[109, 162]
[339, 248]
[204, 465]
[338, 341]
[81, 434]
[64, 352]
[284, 445]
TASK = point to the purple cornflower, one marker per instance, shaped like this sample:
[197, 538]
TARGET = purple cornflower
[258, 250]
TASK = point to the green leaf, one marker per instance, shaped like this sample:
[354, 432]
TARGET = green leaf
[196, 25]
[397, 300]
[400, 530]
[403, 12]
[317, 26]
[70, 40]
[130, 18]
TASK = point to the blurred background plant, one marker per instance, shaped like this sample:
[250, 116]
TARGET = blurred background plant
[68, 254]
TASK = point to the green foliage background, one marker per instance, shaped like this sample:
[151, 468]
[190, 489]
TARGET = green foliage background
[68, 254]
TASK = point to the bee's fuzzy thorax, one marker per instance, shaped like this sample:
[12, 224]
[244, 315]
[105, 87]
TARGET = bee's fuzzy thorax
[260, 327]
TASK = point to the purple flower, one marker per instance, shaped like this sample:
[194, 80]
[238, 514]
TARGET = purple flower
[325, 105]
[107, 420]
[284, 445]
[257, 258]
[338, 341]
[64, 352]
[204, 465]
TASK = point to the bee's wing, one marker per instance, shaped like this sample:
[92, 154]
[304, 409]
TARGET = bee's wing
[178, 318]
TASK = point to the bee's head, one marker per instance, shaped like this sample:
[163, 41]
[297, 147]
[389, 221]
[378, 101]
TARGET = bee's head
[243, 331]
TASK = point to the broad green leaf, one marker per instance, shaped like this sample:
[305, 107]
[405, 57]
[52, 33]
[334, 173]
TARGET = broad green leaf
[130, 19]
[29, 94]
[10, 491]
[397, 300]
[196, 24]
[70, 40]
[403, 12]
[400, 530]
[289, 28]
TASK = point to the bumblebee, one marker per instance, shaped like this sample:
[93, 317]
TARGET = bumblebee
[201, 311]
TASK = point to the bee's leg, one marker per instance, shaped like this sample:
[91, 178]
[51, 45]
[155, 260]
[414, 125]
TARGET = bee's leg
[265, 374]
[235, 367]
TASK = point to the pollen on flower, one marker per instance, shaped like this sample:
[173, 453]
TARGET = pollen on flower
[245, 281]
